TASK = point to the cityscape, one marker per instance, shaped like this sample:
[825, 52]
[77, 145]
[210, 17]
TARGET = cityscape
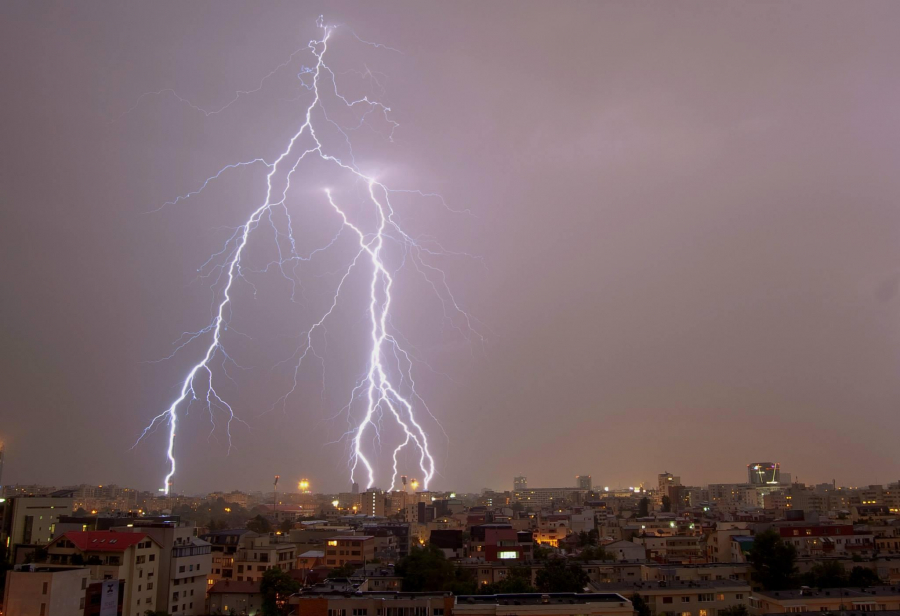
[762, 545]
[450, 309]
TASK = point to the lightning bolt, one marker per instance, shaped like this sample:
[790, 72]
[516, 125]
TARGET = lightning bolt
[387, 389]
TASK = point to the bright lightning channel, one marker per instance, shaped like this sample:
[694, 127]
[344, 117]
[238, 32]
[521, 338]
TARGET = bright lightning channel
[380, 392]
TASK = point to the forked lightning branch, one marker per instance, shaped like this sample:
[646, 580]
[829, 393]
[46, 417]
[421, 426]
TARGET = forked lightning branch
[386, 391]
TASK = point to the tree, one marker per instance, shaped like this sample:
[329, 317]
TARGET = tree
[863, 576]
[644, 507]
[666, 504]
[425, 569]
[275, 587]
[286, 526]
[596, 552]
[259, 525]
[826, 574]
[734, 610]
[561, 576]
[343, 571]
[641, 608]
[773, 561]
[215, 525]
[539, 552]
[517, 580]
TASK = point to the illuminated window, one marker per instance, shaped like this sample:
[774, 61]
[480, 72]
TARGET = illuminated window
[333, 543]
[503, 555]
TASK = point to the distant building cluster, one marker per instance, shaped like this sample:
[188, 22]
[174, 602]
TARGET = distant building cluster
[667, 549]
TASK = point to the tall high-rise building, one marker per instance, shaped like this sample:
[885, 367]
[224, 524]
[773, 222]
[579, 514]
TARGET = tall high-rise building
[372, 502]
[666, 480]
[520, 483]
[763, 473]
[583, 482]
[354, 489]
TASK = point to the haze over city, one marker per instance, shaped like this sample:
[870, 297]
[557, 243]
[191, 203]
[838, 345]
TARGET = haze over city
[674, 226]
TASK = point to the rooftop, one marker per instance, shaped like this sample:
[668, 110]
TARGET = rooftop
[231, 586]
[538, 598]
[630, 587]
[852, 593]
[103, 540]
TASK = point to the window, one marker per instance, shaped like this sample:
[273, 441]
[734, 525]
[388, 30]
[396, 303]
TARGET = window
[686, 614]
[720, 597]
[360, 612]
[739, 597]
[150, 586]
[175, 596]
[81, 605]
[337, 612]
[438, 611]
[43, 609]
[667, 599]
[706, 597]
[703, 613]
[140, 560]
[685, 599]
[139, 588]
[83, 583]
[45, 588]
[509, 554]
[152, 557]
[332, 544]
[181, 569]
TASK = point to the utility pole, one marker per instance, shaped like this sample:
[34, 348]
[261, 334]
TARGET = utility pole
[275, 499]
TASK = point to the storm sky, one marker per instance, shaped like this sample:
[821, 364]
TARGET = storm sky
[683, 231]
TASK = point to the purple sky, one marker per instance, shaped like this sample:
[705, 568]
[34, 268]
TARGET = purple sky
[686, 215]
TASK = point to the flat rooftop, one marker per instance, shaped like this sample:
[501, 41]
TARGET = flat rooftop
[796, 594]
[631, 587]
[555, 598]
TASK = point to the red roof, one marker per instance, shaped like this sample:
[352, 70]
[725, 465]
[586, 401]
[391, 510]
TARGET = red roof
[103, 540]
[230, 586]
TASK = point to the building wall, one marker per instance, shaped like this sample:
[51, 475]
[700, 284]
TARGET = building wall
[349, 550]
[241, 603]
[31, 520]
[61, 593]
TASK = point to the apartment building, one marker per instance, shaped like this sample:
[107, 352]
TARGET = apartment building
[875, 598]
[131, 557]
[349, 549]
[696, 572]
[827, 539]
[45, 590]
[535, 604]
[233, 597]
[257, 553]
[334, 603]
[683, 598]
[30, 521]
[185, 564]
[223, 545]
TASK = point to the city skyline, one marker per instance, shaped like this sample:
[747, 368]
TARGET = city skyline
[679, 235]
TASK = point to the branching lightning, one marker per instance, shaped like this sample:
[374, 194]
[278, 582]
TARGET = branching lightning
[387, 389]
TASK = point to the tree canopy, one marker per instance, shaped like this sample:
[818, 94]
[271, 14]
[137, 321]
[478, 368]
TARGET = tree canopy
[276, 586]
[427, 569]
[260, 525]
[773, 561]
[558, 575]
